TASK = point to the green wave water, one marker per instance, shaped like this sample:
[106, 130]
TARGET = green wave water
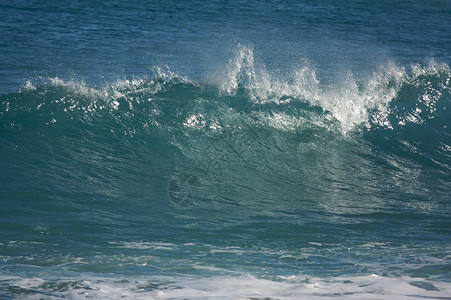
[166, 187]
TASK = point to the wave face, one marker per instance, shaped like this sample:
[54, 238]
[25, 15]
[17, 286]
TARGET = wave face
[187, 188]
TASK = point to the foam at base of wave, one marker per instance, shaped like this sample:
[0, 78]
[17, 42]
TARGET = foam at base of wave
[227, 287]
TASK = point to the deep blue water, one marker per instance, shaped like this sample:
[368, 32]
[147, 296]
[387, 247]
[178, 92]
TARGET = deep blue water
[225, 150]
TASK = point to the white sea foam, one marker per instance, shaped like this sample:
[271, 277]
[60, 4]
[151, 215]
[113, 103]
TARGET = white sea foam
[112, 91]
[29, 86]
[144, 245]
[349, 99]
[228, 287]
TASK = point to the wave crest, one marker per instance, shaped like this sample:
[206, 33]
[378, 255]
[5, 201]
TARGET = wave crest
[351, 100]
[389, 97]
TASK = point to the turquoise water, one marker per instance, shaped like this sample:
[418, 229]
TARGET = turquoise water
[225, 150]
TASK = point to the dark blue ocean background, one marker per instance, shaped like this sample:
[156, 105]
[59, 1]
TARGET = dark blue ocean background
[225, 149]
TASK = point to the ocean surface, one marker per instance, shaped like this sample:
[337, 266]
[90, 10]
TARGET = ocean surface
[225, 149]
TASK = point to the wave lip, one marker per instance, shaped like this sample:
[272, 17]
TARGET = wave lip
[352, 101]
[372, 101]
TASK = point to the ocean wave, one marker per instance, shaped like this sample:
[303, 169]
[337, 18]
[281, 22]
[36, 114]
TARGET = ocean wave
[250, 118]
